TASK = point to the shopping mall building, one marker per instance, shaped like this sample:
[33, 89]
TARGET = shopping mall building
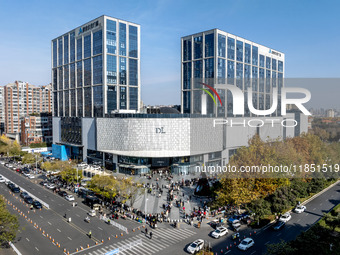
[96, 100]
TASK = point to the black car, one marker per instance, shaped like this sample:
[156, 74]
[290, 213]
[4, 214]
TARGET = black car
[42, 183]
[16, 190]
[10, 186]
[28, 200]
[37, 204]
[62, 193]
[279, 225]
[24, 194]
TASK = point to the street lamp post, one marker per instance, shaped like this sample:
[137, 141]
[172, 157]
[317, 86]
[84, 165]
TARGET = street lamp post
[146, 202]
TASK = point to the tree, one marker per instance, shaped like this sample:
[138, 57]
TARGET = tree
[106, 186]
[260, 208]
[333, 221]
[129, 190]
[30, 158]
[281, 248]
[15, 149]
[9, 224]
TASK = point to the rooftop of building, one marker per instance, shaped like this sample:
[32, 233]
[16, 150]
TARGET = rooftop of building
[93, 21]
[241, 37]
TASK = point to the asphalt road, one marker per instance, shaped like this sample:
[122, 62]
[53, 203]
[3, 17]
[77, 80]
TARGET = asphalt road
[166, 240]
[52, 221]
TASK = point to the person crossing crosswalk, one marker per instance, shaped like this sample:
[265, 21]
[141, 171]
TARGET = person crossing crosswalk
[161, 239]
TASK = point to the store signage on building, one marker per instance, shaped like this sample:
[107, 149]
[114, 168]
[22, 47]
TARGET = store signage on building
[88, 27]
[160, 130]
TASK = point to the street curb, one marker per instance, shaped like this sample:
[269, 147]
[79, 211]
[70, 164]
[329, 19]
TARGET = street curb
[304, 202]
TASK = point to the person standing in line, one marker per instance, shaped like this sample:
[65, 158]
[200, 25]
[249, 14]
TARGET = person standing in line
[146, 231]
[150, 235]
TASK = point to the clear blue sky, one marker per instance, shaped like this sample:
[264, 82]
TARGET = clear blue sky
[306, 31]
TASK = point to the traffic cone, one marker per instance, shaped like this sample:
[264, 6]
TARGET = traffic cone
[88, 246]
[221, 251]
[108, 238]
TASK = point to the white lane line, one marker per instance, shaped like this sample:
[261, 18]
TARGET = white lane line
[320, 204]
[58, 230]
[41, 216]
[27, 239]
[59, 204]
[298, 220]
[278, 234]
[52, 200]
[314, 209]
[49, 223]
[227, 252]
[252, 252]
[69, 238]
[36, 248]
[267, 242]
[78, 215]
[100, 228]
[68, 210]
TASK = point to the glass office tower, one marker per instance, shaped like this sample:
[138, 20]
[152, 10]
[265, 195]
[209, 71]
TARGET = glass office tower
[216, 58]
[96, 69]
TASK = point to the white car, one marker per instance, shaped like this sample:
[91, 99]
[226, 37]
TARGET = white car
[69, 198]
[2, 179]
[246, 244]
[195, 246]
[220, 231]
[285, 217]
[2, 162]
[300, 209]
[50, 186]
[31, 176]
[26, 174]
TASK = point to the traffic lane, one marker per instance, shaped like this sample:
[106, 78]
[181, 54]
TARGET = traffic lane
[298, 223]
[29, 240]
[61, 206]
[50, 223]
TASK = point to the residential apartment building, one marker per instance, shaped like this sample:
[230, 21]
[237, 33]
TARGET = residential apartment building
[20, 99]
[36, 128]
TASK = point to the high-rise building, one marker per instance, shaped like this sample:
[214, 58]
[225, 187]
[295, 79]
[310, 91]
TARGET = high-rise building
[218, 58]
[21, 99]
[95, 69]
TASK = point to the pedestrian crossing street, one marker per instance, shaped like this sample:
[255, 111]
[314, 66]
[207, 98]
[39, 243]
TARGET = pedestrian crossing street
[161, 239]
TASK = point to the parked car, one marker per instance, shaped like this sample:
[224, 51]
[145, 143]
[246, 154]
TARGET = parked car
[28, 200]
[37, 204]
[62, 193]
[246, 244]
[16, 189]
[279, 225]
[2, 179]
[195, 246]
[221, 231]
[300, 209]
[285, 217]
[69, 198]
[50, 186]
[234, 217]
[24, 194]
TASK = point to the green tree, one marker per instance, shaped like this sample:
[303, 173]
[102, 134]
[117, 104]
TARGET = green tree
[260, 208]
[9, 224]
[281, 248]
[106, 186]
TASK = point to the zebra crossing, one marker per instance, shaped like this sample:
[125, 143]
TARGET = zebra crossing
[161, 239]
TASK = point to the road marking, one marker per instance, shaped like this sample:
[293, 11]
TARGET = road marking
[41, 216]
[252, 252]
[227, 252]
[27, 239]
[298, 220]
[36, 248]
[314, 209]
[267, 242]
[59, 204]
[69, 238]
[320, 204]
[49, 223]
[278, 234]
[78, 215]
[58, 229]
[100, 228]
[52, 200]
[68, 210]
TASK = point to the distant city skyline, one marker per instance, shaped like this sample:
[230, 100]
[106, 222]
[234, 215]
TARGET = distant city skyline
[290, 27]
